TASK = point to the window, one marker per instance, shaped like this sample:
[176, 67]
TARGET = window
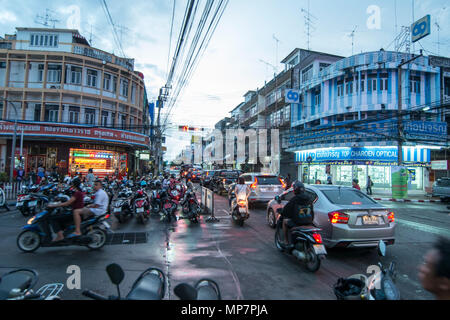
[89, 116]
[340, 88]
[124, 87]
[363, 81]
[104, 118]
[54, 73]
[1, 110]
[74, 114]
[107, 82]
[414, 84]
[383, 84]
[37, 112]
[317, 99]
[51, 113]
[347, 197]
[92, 78]
[2, 64]
[41, 40]
[268, 180]
[307, 73]
[349, 87]
[114, 89]
[40, 72]
[75, 75]
[372, 84]
[123, 121]
[133, 90]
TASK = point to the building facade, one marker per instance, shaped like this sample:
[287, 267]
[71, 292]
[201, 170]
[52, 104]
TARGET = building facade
[346, 121]
[77, 107]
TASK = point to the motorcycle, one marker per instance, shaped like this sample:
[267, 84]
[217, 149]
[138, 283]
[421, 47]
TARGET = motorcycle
[18, 285]
[169, 207]
[190, 206]
[380, 286]
[307, 243]
[29, 203]
[122, 206]
[150, 285]
[37, 233]
[239, 210]
[141, 206]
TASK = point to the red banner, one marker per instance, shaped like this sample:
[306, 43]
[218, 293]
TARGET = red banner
[76, 132]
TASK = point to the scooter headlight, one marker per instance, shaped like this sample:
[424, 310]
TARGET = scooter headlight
[30, 221]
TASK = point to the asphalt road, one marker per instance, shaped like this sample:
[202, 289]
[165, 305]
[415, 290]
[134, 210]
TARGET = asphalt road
[243, 260]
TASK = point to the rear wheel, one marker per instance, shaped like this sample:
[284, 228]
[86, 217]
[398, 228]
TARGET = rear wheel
[278, 240]
[313, 261]
[98, 238]
[28, 241]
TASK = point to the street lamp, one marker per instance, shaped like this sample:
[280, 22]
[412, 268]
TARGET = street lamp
[13, 150]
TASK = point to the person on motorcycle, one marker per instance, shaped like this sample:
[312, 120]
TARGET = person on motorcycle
[293, 210]
[100, 207]
[241, 192]
[60, 220]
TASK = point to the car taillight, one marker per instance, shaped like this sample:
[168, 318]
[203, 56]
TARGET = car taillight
[338, 217]
[317, 237]
[391, 217]
[254, 184]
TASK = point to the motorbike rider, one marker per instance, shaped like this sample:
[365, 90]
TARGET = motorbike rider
[293, 212]
[99, 208]
[60, 220]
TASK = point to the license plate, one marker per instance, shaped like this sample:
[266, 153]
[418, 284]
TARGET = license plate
[242, 210]
[19, 204]
[106, 224]
[263, 189]
[319, 249]
[117, 209]
[371, 220]
[139, 210]
[32, 203]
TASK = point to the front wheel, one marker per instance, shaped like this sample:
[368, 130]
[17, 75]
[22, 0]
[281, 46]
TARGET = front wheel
[24, 212]
[278, 240]
[271, 220]
[98, 237]
[28, 241]
[313, 261]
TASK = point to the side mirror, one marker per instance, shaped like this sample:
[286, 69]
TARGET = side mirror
[381, 248]
[115, 273]
[278, 199]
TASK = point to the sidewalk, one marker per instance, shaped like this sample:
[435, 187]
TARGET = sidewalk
[413, 196]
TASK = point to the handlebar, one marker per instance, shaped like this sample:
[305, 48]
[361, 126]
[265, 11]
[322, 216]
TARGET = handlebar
[93, 295]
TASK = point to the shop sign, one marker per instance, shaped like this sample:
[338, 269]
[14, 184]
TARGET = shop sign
[101, 147]
[76, 132]
[440, 165]
[347, 154]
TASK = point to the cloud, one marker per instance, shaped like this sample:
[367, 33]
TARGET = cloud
[7, 16]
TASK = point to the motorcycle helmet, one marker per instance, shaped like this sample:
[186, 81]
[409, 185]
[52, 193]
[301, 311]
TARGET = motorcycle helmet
[143, 183]
[76, 182]
[190, 185]
[299, 187]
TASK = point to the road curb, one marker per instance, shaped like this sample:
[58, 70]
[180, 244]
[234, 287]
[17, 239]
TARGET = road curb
[404, 200]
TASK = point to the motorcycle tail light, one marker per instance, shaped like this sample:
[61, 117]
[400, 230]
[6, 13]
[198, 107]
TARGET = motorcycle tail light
[191, 200]
[140, 203]
[107, 216]
[242, 203]
[317, 237]
[283, 183]
[391, 217]
[338, 217]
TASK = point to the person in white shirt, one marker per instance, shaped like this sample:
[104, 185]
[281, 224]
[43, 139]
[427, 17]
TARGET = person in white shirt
[100, 207]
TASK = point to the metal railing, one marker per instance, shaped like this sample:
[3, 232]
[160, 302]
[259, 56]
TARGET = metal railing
[12, 189]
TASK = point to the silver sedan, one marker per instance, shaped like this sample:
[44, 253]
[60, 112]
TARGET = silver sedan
[347, 217]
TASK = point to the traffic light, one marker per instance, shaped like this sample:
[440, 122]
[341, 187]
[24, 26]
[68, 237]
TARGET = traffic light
[189, 129]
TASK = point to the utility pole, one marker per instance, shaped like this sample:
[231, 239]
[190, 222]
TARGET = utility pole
[13, 146]
[400, 111]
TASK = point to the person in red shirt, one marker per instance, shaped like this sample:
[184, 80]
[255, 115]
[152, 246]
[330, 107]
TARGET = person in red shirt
[60, 220]
[355, 184]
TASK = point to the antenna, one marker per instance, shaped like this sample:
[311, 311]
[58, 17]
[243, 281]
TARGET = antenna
[44, 20]
[276, 54]
[269, 65]
[352, 35]
[309, 23]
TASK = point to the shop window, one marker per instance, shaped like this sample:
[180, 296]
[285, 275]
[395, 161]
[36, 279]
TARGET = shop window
[51, 113]
[37, 112]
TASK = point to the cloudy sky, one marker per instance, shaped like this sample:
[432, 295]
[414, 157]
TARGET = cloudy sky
[232, 63]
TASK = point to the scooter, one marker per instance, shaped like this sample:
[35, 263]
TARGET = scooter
[239, 210]
[29, 203]
[141, 206]
[169, 207]
[122, 206]
[18, 285]
[307, 243]
[37, 233]
[190, 206]
[150, 285]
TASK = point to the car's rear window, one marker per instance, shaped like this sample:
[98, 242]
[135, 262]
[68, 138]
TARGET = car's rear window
[347, 197]
[230, 174]
[268, 180]
[443, 183]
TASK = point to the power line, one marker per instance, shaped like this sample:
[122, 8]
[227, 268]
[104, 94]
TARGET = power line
[111, 22]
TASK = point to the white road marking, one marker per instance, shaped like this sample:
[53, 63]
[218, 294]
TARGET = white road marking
[424, 227]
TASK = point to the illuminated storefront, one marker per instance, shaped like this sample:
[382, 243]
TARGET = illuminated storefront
[345, 164]
[102, 162]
